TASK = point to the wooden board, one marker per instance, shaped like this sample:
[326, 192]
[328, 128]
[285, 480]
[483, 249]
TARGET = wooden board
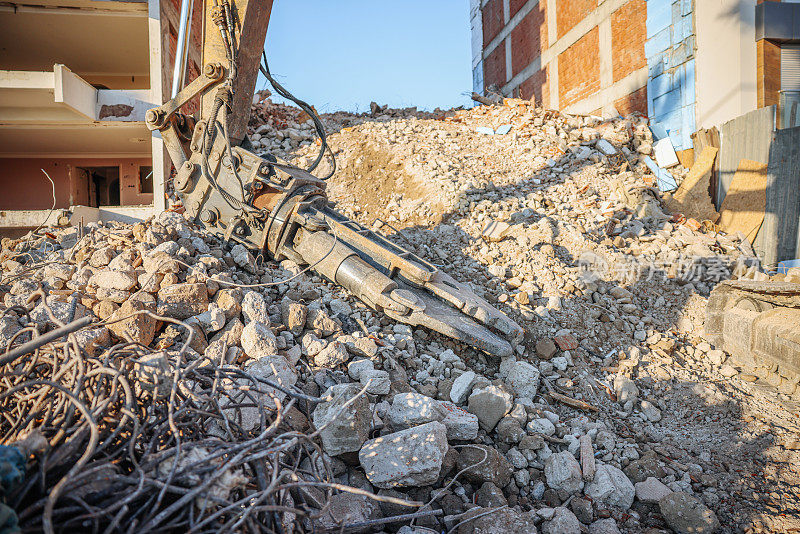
[744, 205]
[700, 140]
[692, 198]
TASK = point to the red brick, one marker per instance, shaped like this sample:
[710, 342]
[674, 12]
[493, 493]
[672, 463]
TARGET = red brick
[634, 102]
[493, 20]
[494, 67]
[579, 69]
[536, 88]
[516, 5]
[528, 39]
[571, 12]
[628, 34]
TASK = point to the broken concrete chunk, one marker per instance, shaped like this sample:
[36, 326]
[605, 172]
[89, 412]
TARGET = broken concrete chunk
[686, 514]
[333, 355]
[134, 325]
[356, 367]
[484, 464]
[563, 522]
[651, 490]
[255, 308]
[93, 340]
[378, 380]
[495, 231]
[490, 404]
[411, 457]
[562, 472]
[181, 301]
[113, 280]
[462, 387]
[229, 301]
[294, 315]
[258, 340]
[611, 486]
[625, 388]
[346, 431]
[523, 379]
[346, 509]
[412, 409]
[460, 424]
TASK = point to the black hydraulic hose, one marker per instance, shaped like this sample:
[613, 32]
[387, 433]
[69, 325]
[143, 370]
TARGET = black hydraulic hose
[318, 126]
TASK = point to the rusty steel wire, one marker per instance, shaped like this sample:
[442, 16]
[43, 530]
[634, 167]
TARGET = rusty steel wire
[147, 441]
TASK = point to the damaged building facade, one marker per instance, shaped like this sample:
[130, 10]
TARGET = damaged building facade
[686, 64]
[76, 79]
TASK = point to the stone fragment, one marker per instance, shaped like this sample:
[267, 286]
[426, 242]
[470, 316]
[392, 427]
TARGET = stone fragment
[153, 374]
[229, 301]
[255, 308]
[611, 486]
[650, 411]
[294, 316]
[411, 457]
[484, 464]
[346, 431]
[412, 409]
[346, 509]
[273, 368]
[505, 521]
[320, 322]
[356, 367]
[604, 526]
[181, 301]
[562, 472]
[364, 346]
[523, 379]
[113, 280]
[462, 386]
[490, 404]
[378, 380]
[651, 490]
[460, 424]
[563, 522]
[134, 325]
[490, 496]
[258, 340]
[242, 257]
[685, 514]
[625, 388]
[333, 355]
[546, 349]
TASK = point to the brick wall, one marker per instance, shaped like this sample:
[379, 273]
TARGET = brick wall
[571, 12]
[494, 67]
[768, 75]
[516, 5]
[628, 34]
[528, 38]
[492, 20]
[634, 102]
[579, 69]
[536, 88]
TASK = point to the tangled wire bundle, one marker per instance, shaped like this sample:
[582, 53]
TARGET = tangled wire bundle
[145, 441]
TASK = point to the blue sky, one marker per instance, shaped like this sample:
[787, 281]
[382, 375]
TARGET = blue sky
[342, 54]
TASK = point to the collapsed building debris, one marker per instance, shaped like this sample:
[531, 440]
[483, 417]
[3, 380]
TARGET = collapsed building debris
[215, 391]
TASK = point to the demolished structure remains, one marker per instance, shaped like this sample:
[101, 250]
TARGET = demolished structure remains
[515, 320]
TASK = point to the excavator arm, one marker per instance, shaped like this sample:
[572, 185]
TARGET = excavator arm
[282, 210]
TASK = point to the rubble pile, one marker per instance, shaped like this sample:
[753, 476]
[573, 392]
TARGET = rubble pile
[215, 391]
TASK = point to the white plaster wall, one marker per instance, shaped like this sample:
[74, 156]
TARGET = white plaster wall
[726, 60]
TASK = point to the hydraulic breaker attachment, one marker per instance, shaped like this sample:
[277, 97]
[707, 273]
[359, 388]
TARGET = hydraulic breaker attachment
[283, 211]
